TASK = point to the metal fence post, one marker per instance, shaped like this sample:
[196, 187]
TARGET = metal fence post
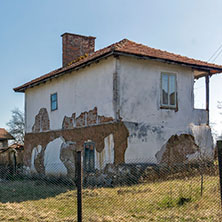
[79, 186]
[219, 149]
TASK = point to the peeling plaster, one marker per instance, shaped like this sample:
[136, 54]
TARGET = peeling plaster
[148, 128]
[36, 152]
[68, 157]
[42, 122]
[89, 118]
[75, 94]
[177, 149]
[117, 132]
[107, 155]
[203, 138]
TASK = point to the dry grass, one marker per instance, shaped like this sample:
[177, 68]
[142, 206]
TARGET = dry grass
[175, 200]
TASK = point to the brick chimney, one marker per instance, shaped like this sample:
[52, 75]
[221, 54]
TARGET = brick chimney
[74, 46]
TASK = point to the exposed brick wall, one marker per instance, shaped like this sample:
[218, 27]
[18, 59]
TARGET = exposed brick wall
[75, 46]
[177, 149]
[89, 118]
[42, 122]
[68, 123]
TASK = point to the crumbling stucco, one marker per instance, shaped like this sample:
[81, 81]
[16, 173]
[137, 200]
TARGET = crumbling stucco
[96, 133]
[37, 162]
[107, 155]
[68, 157]
[42, 122]
[68, 122]
[84, 119]
[57, 159]
[177, 149]
[204, 139]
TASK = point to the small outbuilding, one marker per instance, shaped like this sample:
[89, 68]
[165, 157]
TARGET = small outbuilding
[11, 156]
[4, 138]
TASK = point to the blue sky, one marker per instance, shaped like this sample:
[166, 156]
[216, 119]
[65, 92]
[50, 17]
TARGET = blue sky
[30, 42]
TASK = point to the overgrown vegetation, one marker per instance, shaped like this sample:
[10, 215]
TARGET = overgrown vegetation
[174, 200]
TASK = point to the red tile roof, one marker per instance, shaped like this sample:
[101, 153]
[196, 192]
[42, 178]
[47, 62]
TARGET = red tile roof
[4, 135]
[125, 47]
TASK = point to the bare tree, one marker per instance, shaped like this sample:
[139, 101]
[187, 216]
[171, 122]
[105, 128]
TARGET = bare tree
[17, 125]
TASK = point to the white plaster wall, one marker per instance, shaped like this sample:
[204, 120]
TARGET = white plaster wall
[107, 154]
[52, 163]
[145, 140]
[203, 138]
[149, 126]
[140, 92]
[36, 150]
[78, 92]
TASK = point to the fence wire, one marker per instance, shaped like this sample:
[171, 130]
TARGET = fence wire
[137, 191]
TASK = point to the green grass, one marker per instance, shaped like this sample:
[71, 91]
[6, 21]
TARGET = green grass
[174, 200]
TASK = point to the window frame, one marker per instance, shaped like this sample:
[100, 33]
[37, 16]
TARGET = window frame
[168, 106]
[51, 101]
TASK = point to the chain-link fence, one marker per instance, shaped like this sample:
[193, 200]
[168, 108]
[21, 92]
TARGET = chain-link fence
[139, 191]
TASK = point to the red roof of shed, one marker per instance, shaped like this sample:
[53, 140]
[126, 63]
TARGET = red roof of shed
[4, 135]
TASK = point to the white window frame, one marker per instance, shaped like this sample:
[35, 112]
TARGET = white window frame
[168, 106]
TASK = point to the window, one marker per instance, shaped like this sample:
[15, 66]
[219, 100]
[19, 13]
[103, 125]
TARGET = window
[89, 157]
[54, 102]
[3, 143]
[168, 90]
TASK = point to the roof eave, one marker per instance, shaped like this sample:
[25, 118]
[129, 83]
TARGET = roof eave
[7, 138]
[210, 70]
[23, 88]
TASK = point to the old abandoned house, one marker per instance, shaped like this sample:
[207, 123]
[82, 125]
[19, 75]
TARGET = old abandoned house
[4, 138]
[11, 156]
[126, 103]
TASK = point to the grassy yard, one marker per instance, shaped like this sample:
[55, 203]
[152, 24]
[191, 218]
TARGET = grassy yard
[175, 200]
